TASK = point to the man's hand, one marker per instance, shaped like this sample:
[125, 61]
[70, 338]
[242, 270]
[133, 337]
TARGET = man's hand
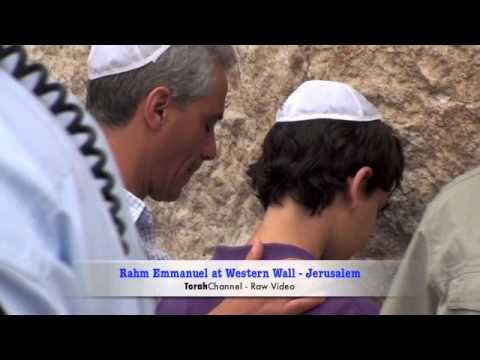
[264, 306]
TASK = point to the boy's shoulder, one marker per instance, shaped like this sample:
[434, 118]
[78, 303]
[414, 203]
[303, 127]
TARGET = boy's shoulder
[347, 306]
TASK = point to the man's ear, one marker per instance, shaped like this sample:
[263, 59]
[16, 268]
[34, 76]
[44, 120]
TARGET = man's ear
[155, 106]
[357, 185]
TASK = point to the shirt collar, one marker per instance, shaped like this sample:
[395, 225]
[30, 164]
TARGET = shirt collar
[135, 205]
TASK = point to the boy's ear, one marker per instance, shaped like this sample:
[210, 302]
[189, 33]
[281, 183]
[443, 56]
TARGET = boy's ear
[155, 107]
[357, 185]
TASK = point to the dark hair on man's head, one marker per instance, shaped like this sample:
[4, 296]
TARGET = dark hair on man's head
[311, 161]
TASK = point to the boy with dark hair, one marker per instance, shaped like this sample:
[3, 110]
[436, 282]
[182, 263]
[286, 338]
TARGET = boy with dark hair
[327, 170]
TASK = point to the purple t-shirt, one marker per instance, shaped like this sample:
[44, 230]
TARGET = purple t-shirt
[331, 306]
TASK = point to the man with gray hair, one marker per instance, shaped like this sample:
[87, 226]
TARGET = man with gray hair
[158, 106]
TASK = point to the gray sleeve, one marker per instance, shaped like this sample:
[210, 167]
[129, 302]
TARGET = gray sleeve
[462, 312]
[463, 292]
[410, 292]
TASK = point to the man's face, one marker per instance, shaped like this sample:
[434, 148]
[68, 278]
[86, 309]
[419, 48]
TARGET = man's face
[187, 140]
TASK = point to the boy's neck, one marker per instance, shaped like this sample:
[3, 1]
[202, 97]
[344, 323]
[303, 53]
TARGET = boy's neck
[291, 224]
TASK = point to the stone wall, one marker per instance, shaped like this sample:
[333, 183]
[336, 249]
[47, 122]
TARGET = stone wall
[431, 94]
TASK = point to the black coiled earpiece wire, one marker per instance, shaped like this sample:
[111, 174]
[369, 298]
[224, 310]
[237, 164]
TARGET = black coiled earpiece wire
[46, 87]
